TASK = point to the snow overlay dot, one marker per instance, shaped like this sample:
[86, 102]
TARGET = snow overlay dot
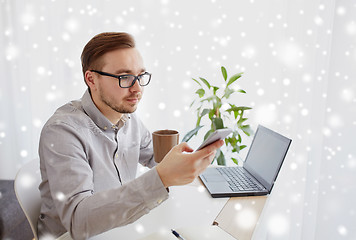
[139, 228]
[246, 218]
[278, 225]
[342, 230]
[60, 196]
[161, 106]
[23, 153]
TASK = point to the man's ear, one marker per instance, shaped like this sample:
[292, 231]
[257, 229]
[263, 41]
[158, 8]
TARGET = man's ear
[90, 80]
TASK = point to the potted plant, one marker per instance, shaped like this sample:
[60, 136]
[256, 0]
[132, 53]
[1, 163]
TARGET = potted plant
[212, 103]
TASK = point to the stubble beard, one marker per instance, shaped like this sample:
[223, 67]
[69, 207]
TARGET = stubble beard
[120, 108]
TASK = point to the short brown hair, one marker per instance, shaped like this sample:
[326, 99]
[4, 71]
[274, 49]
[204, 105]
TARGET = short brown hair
[101, 44]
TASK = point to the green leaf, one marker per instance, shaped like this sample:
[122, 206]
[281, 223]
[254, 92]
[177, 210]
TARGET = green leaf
[221, 159]
[234, 108]
[211, 98]
[197, 82]
[198, 121]
[241, 120]
[211, 113]
[207, 134]
[205, 82]
[204, 112]
[227, 93]
[242, 147]
[192, 103]
[233, 79]
[217, 123]
[236, 112]
[215, 89]
[224, 73]
[241, 91]
[191, 133]
[246, 129]
[235, 161]
[200, 92]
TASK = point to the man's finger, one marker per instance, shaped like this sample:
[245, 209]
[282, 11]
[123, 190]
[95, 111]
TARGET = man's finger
[184, 147]
[202, 153]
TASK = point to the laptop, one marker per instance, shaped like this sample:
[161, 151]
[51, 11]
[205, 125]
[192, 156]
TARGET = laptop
[259, 171]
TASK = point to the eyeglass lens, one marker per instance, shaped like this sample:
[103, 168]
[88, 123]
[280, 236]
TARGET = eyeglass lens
[128, 81]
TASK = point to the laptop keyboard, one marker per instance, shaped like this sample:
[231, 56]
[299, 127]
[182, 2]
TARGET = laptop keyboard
[237, 180]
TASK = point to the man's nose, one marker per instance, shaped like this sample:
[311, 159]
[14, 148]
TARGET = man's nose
[136, 87]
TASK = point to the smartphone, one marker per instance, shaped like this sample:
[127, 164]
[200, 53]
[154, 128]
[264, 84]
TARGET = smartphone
[215, 136]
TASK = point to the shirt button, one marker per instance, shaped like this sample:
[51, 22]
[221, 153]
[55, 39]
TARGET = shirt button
[116, 155]
[159, 201]
[105, 128]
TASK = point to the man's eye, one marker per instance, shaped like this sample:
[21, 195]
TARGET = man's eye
[125, 78]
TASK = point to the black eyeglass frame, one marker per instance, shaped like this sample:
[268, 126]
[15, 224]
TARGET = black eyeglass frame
[126, 75]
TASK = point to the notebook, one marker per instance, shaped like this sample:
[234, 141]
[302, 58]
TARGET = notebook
[259, 171]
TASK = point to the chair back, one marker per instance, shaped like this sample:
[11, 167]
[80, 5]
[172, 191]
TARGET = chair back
[27, 181]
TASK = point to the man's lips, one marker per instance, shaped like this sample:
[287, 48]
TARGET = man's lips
[134, 99]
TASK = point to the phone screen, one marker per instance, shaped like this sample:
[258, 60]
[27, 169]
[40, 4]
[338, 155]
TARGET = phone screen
[215, 136]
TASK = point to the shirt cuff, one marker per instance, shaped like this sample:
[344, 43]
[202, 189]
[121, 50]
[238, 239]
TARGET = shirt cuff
[151, 188]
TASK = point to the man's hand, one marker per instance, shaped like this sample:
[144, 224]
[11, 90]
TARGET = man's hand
[180, 166]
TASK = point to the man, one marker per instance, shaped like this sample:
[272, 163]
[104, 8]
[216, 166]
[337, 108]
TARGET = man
[89, 149]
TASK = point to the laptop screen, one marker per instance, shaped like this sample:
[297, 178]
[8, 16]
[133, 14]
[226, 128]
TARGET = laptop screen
[266, 155]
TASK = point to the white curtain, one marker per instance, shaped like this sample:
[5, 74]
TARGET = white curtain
[298, 59]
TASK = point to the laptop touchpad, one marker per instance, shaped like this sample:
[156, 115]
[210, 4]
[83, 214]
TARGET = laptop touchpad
[214, 178]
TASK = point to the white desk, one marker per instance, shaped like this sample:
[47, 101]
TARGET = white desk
[193, 233]
[191, 210]
[187, 206]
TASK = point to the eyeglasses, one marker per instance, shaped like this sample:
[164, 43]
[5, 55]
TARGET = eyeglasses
[128, 80]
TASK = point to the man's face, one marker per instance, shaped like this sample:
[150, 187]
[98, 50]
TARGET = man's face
[109, 97]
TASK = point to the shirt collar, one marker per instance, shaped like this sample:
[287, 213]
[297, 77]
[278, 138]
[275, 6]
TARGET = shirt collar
[99, 119]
